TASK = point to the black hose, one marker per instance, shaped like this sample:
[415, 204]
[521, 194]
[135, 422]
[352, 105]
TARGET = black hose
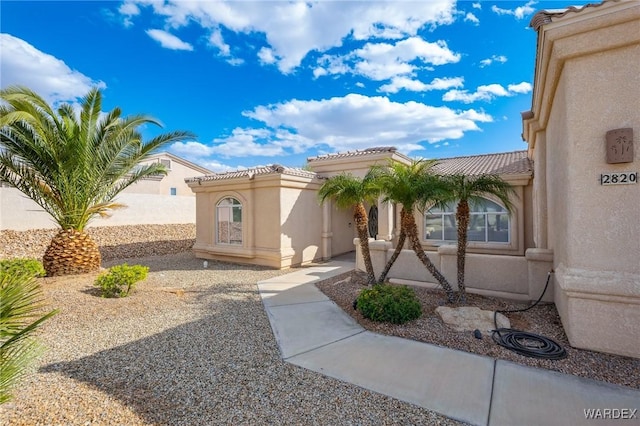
[526, 343]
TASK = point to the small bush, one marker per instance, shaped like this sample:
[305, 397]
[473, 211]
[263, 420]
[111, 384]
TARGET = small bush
[120, 280]
[29, 267]
[389, 303]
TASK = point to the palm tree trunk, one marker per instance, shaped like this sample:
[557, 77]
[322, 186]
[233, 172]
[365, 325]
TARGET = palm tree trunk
[394, 256]
[360, 217]
[462, 217]
[71, 252]
[409, 224]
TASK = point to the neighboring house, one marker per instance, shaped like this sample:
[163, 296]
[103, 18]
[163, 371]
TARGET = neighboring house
[576, 209]
[155, 200]
[173, 182]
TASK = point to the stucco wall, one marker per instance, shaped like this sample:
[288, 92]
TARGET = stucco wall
[587, 83]
[343, 230]
[513, 277]
[301, 225]
[281, 219]
[19, 213]
[604, 218]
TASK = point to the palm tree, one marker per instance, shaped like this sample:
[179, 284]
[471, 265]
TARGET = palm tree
[20, 309]
[73, 165]
[466, 190]
[349, 191]
[412, 185]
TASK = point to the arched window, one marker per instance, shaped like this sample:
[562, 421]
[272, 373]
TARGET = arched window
[488, 222]
[229, 221]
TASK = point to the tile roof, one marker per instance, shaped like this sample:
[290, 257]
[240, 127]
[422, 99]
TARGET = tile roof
[505, 163]
[250, 173]
[351, 154]
[546, 16]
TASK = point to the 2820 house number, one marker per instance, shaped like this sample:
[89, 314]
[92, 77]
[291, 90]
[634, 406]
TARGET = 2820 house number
[623, 178]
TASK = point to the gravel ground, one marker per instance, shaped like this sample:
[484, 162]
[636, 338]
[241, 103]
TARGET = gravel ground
[194, 346]
[191, 346]
[543, 320]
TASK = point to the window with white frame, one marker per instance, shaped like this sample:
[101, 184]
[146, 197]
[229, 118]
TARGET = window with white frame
[489, 222]
[229, 221]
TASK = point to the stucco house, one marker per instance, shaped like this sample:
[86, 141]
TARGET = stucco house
[173, 182]
[576, 205]
[271, 216]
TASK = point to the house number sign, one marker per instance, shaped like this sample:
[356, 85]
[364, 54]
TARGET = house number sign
[622, 178]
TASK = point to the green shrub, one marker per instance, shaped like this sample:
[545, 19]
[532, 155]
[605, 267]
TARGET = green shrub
[120, 280]
[30, 267]
[389, 303]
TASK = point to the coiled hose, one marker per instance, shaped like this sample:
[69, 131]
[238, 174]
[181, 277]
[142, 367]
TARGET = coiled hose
[526, 343]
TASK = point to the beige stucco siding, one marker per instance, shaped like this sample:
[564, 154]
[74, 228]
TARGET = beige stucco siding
[603, 217]
[557, 159]
[587, 83]
[343, 230]
[301, 225]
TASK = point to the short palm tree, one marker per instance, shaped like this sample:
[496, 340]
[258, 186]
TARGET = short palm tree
[349, 191]
[412, 185]
[73, 165]
[469, 189]
[20, 315]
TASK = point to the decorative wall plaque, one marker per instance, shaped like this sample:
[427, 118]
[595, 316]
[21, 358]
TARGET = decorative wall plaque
[620, 146]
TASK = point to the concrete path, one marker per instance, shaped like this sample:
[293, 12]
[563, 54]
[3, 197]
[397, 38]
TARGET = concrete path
[314, 333]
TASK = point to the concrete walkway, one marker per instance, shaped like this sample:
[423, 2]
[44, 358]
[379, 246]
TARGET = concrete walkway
[314, 333]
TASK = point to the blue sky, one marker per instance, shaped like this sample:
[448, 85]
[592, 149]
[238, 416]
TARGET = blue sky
[276, 82]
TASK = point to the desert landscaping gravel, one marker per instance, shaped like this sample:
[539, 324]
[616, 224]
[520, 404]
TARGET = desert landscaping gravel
[543, 319]
[115, 242]
[192, 346]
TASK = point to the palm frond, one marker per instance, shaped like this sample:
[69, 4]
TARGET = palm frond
[20, 302]
[73, 164]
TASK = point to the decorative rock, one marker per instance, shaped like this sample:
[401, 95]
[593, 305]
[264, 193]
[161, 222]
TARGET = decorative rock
[469, 318]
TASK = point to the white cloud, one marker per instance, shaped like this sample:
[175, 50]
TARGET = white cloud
[266, 56]
[235, 61]
[23, 64]
[384, 61]
[523, 87]
[486, 93]
[399, 83]
[128, 11]
[345, 123]
[494, 58]
[476, 5]
[198, 152]
[470, 17]
[168, 40]
[293, 29]
[216, 40]
[519, 12]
